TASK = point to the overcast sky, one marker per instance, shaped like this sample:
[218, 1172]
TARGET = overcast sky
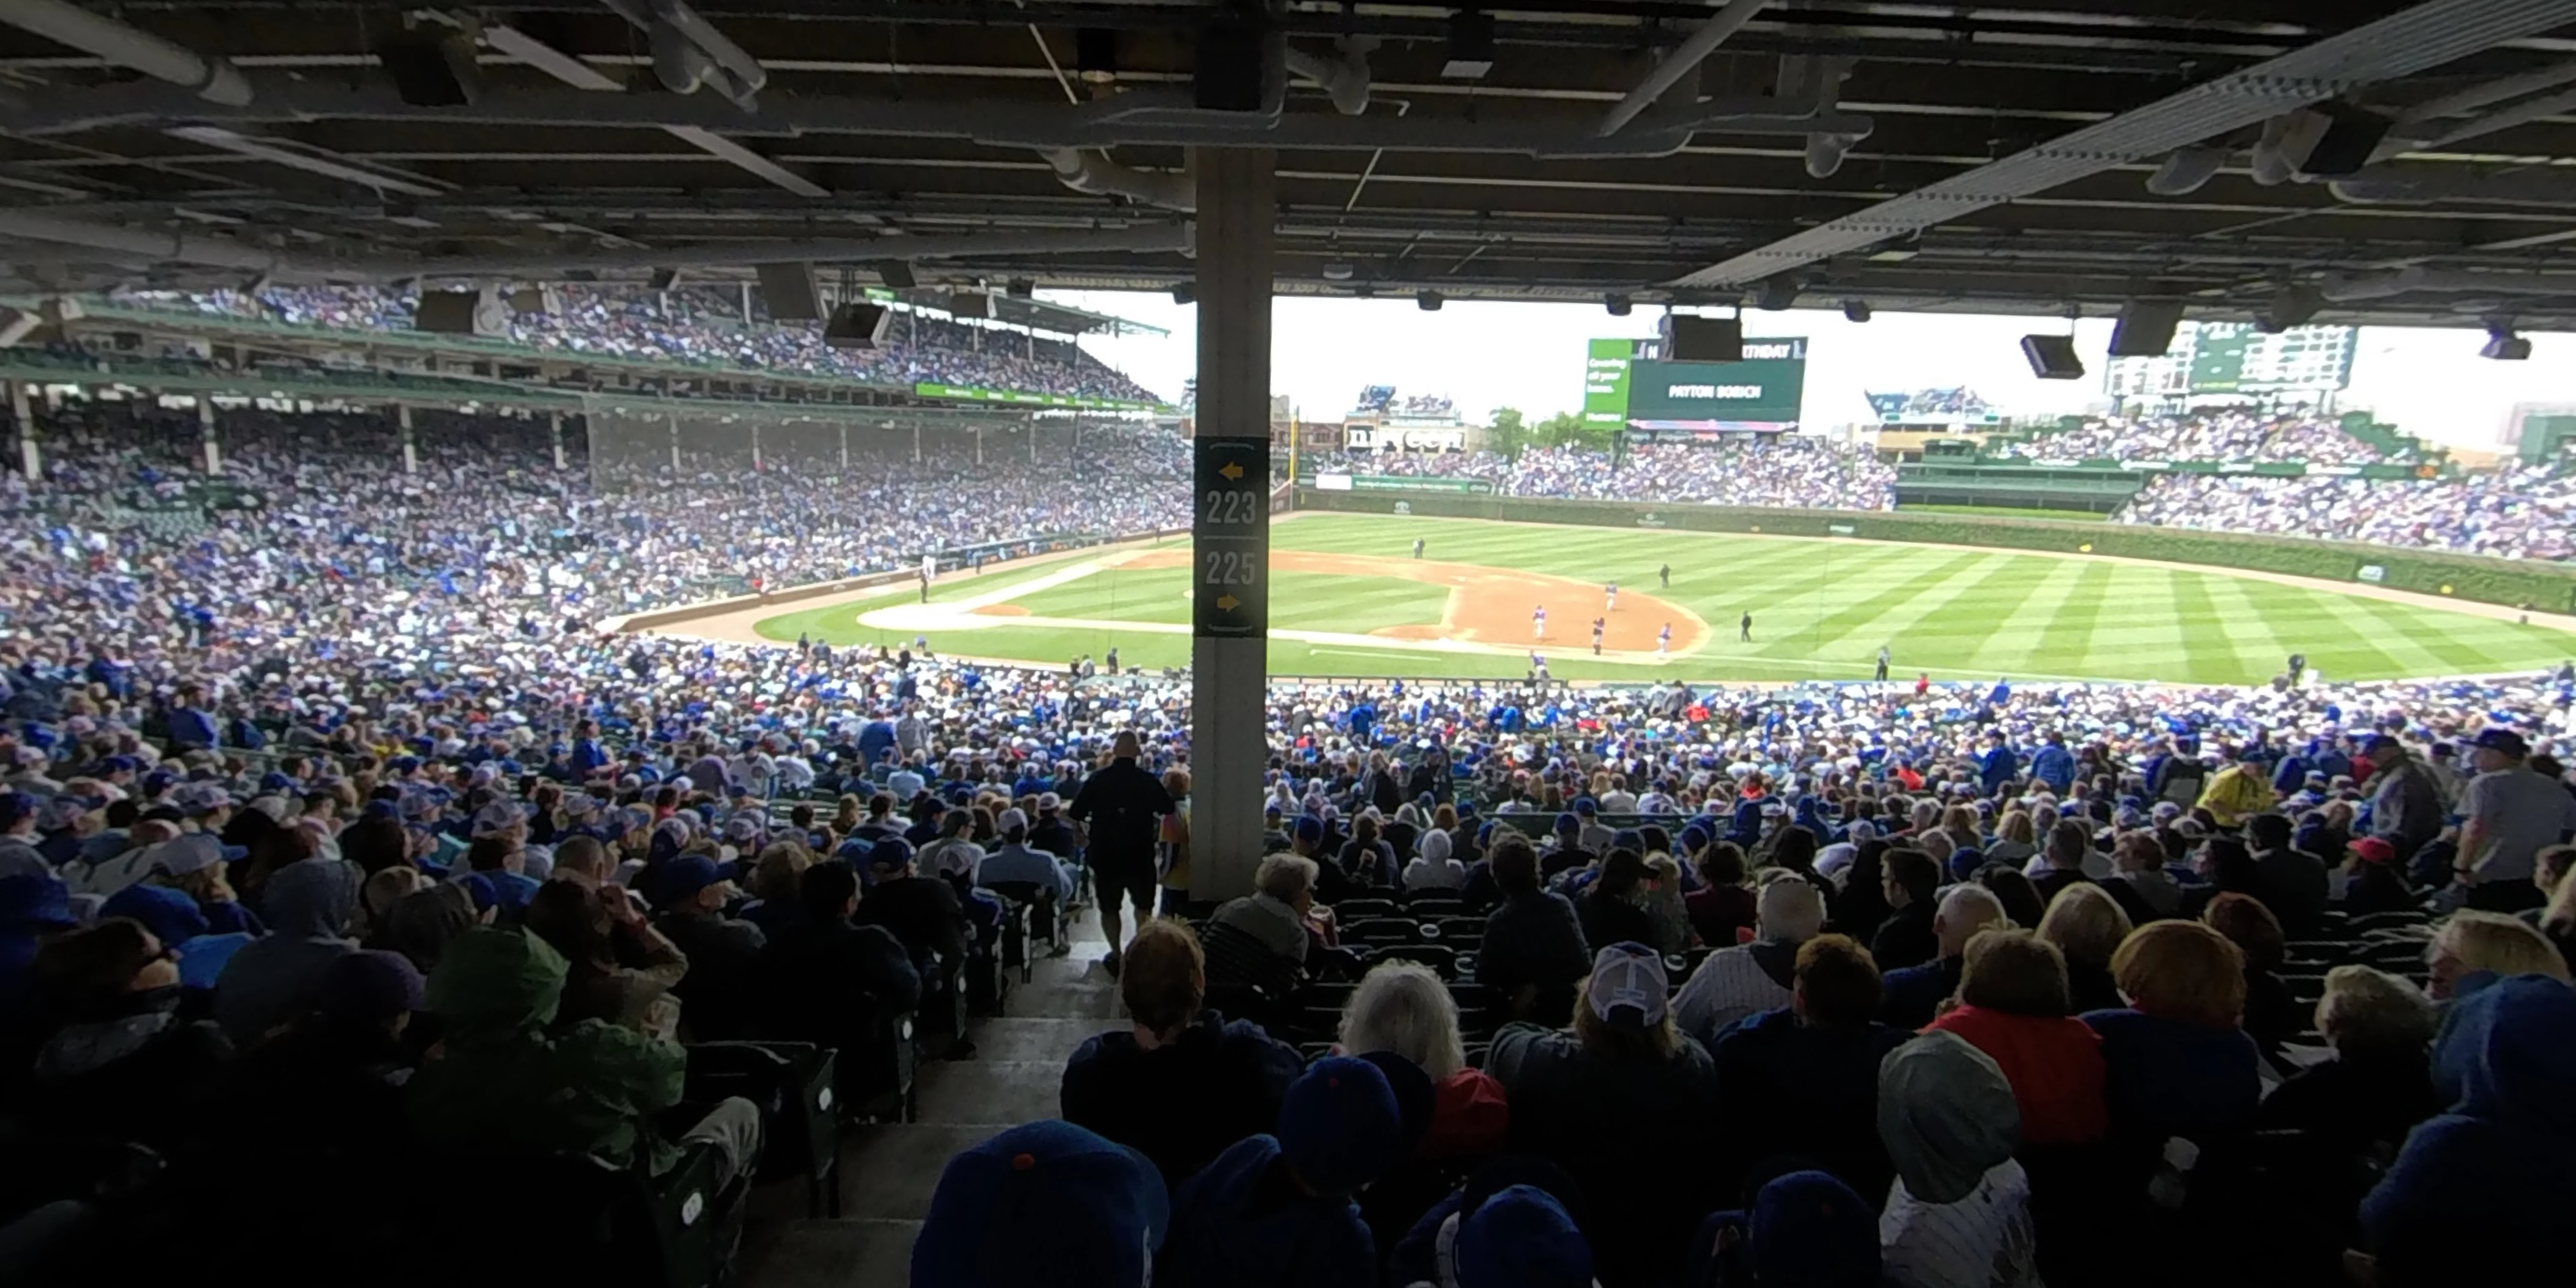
[1530, 356]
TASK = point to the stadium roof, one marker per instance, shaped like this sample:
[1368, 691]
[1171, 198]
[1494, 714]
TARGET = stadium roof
[2350, 160]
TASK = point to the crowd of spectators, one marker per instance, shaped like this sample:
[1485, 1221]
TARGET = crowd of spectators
[1769, 470]
[2207, 436]
[2523, 511]
[332, 827]
[706, 327]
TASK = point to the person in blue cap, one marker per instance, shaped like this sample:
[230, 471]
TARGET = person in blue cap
[1276, 1211]
[1805, 1230]
[2475, 1195]
[1043, 1205]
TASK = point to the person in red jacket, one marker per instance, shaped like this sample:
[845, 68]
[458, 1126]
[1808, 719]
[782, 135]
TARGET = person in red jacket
[2012, 1005]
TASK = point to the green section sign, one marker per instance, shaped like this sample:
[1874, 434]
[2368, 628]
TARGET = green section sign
[1765, 390]
[1605, 381]
[2218, 359]
[1020, 398]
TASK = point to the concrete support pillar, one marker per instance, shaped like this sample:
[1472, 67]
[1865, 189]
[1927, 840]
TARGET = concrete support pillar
[755, 447]
[979, 444]
[206, 425]
[673, 418]
[410, 443]
[554, 424]
[1033, 440]
[916, 444]
[31, 457]
[845, 445]
[746, 304]
[1230, 524]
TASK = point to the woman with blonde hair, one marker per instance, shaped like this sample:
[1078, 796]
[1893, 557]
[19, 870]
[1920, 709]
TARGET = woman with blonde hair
[1404, 1009]
[2086, 924]
[2380, 1082]
[2016, 841]
[2557, 919]
[775, 880]
[1619, 1086]
[2492, 942]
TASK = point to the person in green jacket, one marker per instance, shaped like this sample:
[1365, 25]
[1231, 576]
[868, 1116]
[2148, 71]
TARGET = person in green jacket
[499, 1082]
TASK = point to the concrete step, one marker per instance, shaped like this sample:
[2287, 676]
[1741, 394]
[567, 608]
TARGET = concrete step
[1026, 1036]
[984, 1090]
[889, 1169]
[847, 1253]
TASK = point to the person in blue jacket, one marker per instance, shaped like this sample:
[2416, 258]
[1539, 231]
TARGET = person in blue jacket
[1276, 1211]
[1996, 768]
[2477, 1193]
[2053, 764]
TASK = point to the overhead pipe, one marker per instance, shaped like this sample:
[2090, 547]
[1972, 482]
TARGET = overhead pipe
[212, 78]
[2489, 93]
[2186, 171]
[2523, 113]
[2423, 184]
[154, 247]
[1344, 80]
[1668, 73]
[688, 51]
[146, 245]
[1090, 172]
[2343, 288]
[1036, 127]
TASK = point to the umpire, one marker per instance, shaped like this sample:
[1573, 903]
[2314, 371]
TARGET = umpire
[1122, 808]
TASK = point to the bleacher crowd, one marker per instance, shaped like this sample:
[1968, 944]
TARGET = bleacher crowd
[2226, 435]
[1777, 470]
[705, 327]
[2525, 511]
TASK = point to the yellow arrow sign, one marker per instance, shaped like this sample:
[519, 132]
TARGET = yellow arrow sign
[1228, 603]
[1232, 471]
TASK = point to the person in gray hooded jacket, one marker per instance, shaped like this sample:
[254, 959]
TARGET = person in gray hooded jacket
[273, 982]
[1959, 1212]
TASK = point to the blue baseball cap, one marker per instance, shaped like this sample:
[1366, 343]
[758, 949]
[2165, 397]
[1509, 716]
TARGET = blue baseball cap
[1044, 1203]
[1340, 1125]
[1586, 806]
[1810, 1230]
[1310, 829]
[1522, 1238]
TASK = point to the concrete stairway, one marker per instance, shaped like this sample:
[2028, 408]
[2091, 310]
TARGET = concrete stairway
[888, 1171]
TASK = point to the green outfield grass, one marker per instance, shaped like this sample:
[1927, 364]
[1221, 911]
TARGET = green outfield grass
[1821, 610]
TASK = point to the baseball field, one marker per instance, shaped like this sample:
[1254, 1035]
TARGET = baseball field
[1348, 597]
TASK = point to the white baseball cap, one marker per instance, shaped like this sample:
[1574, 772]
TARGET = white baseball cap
[1628, 986]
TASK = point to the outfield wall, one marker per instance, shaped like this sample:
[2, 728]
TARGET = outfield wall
[2543, 586]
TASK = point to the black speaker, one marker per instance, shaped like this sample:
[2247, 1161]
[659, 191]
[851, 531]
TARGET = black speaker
[896, 274]
[432, 72]
[971, 304]
[788, 290]
[2052, 357]
[1691, 337]
[857, 325]
[445, 312]
[2346, 145]
[1230, 70]
[2145, 328]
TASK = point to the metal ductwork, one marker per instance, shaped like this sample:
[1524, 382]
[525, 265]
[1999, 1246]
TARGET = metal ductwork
[152, 247]
[64, 23]
[2186, 171]
[1090, 172]
[2425, 184]
[1720, 28]
[2427, 35]
[2345, 288]
[688, 51]
[1344, 80]
[1143, 118]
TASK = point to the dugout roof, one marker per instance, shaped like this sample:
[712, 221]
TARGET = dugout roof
[2346, 160]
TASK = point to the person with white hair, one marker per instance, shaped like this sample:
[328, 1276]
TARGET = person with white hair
[1403, 1008]
[1739, 981]
[1436, 867]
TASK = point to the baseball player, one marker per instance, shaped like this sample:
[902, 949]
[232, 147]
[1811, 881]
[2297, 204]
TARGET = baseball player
[1538, 622]
[1744, 629]
[1610, 593]
[1417, 547]
[1664, 640]
[1597, 624]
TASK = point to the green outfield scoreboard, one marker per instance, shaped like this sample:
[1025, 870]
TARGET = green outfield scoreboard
[1627, 382]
